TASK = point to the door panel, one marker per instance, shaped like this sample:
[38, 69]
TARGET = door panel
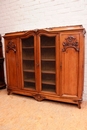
[49, 59]
[28, 62]
[70, 64]
[12, 63]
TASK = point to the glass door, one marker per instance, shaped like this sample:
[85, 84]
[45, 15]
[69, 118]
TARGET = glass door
[48, 63]
[28, 60]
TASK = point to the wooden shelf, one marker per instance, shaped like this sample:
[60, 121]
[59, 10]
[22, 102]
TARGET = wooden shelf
[47, 47]
[48, 72]
[27, 47]
[27, 70]
[29, 80]
[48, 82]
[27, 59]
[48, 59]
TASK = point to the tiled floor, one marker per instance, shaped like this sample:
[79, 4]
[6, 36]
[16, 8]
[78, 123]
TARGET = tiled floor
[25, 113]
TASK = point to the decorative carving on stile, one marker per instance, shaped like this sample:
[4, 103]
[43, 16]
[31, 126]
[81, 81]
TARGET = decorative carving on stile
[38, 97]
[70, 42]
[11, 46]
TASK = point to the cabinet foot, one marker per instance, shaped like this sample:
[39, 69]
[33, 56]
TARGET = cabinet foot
[79, 104]
[9, 92]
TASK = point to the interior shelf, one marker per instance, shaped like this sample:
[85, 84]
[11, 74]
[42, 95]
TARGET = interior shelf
[48, 59]
[48, 82]
[48, 72]
[47, 47]
[28, 59]
[27, 47]
[27, 70]
[29, 80]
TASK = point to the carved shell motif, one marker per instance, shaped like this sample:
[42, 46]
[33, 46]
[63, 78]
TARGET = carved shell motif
[11, 46]
[70, 42]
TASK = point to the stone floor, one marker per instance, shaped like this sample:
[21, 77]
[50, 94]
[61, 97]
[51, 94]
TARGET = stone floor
[25, 113]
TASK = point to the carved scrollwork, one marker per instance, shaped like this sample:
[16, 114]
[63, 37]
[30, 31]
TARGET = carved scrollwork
[11, 46]
[38, 97]
[70, 42]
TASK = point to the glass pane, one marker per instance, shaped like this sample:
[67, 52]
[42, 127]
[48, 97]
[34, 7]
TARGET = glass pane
[48, 58]
[48, 88]
[47, 41]
[28, 42]
[29, 85]
[28, 62]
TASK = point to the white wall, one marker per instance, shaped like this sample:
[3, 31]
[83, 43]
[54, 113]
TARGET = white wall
[19, 15]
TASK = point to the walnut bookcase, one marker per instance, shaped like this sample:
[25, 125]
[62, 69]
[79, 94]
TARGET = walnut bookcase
[46, 63]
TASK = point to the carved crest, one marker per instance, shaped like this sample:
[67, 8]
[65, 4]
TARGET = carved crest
[70, 42]
[11, 46]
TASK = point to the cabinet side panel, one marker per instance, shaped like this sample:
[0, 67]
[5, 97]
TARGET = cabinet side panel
[70, 64]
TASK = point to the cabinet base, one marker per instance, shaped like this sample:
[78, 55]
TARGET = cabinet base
[40, 97]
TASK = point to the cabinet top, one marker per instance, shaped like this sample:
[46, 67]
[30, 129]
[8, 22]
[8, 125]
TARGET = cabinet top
[53, 29]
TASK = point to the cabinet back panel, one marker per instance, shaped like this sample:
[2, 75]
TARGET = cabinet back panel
[28, 65]
[29, 85]
[28, 54]
[29, 75]
[48, 53]
[28, 42]
[48, 77]
[48, 65]
[48, 88]
[47, 41]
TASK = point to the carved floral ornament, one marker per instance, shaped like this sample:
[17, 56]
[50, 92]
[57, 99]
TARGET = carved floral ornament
[38, 97]
[70, 42]
[11, 46]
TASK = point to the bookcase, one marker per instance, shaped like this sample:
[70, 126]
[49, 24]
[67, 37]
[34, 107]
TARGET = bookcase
[46, 63]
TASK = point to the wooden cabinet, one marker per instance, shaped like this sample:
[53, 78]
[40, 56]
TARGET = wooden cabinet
[2, 80]
[46, 63]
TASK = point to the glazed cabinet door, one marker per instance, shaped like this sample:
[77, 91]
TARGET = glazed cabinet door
[12, 71]
[28, 48]
[71, 64]
[48, 61]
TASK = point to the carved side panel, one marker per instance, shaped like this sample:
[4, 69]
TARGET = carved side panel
[11, 46]
[12, 63]
[70, 64]
[70, 42]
